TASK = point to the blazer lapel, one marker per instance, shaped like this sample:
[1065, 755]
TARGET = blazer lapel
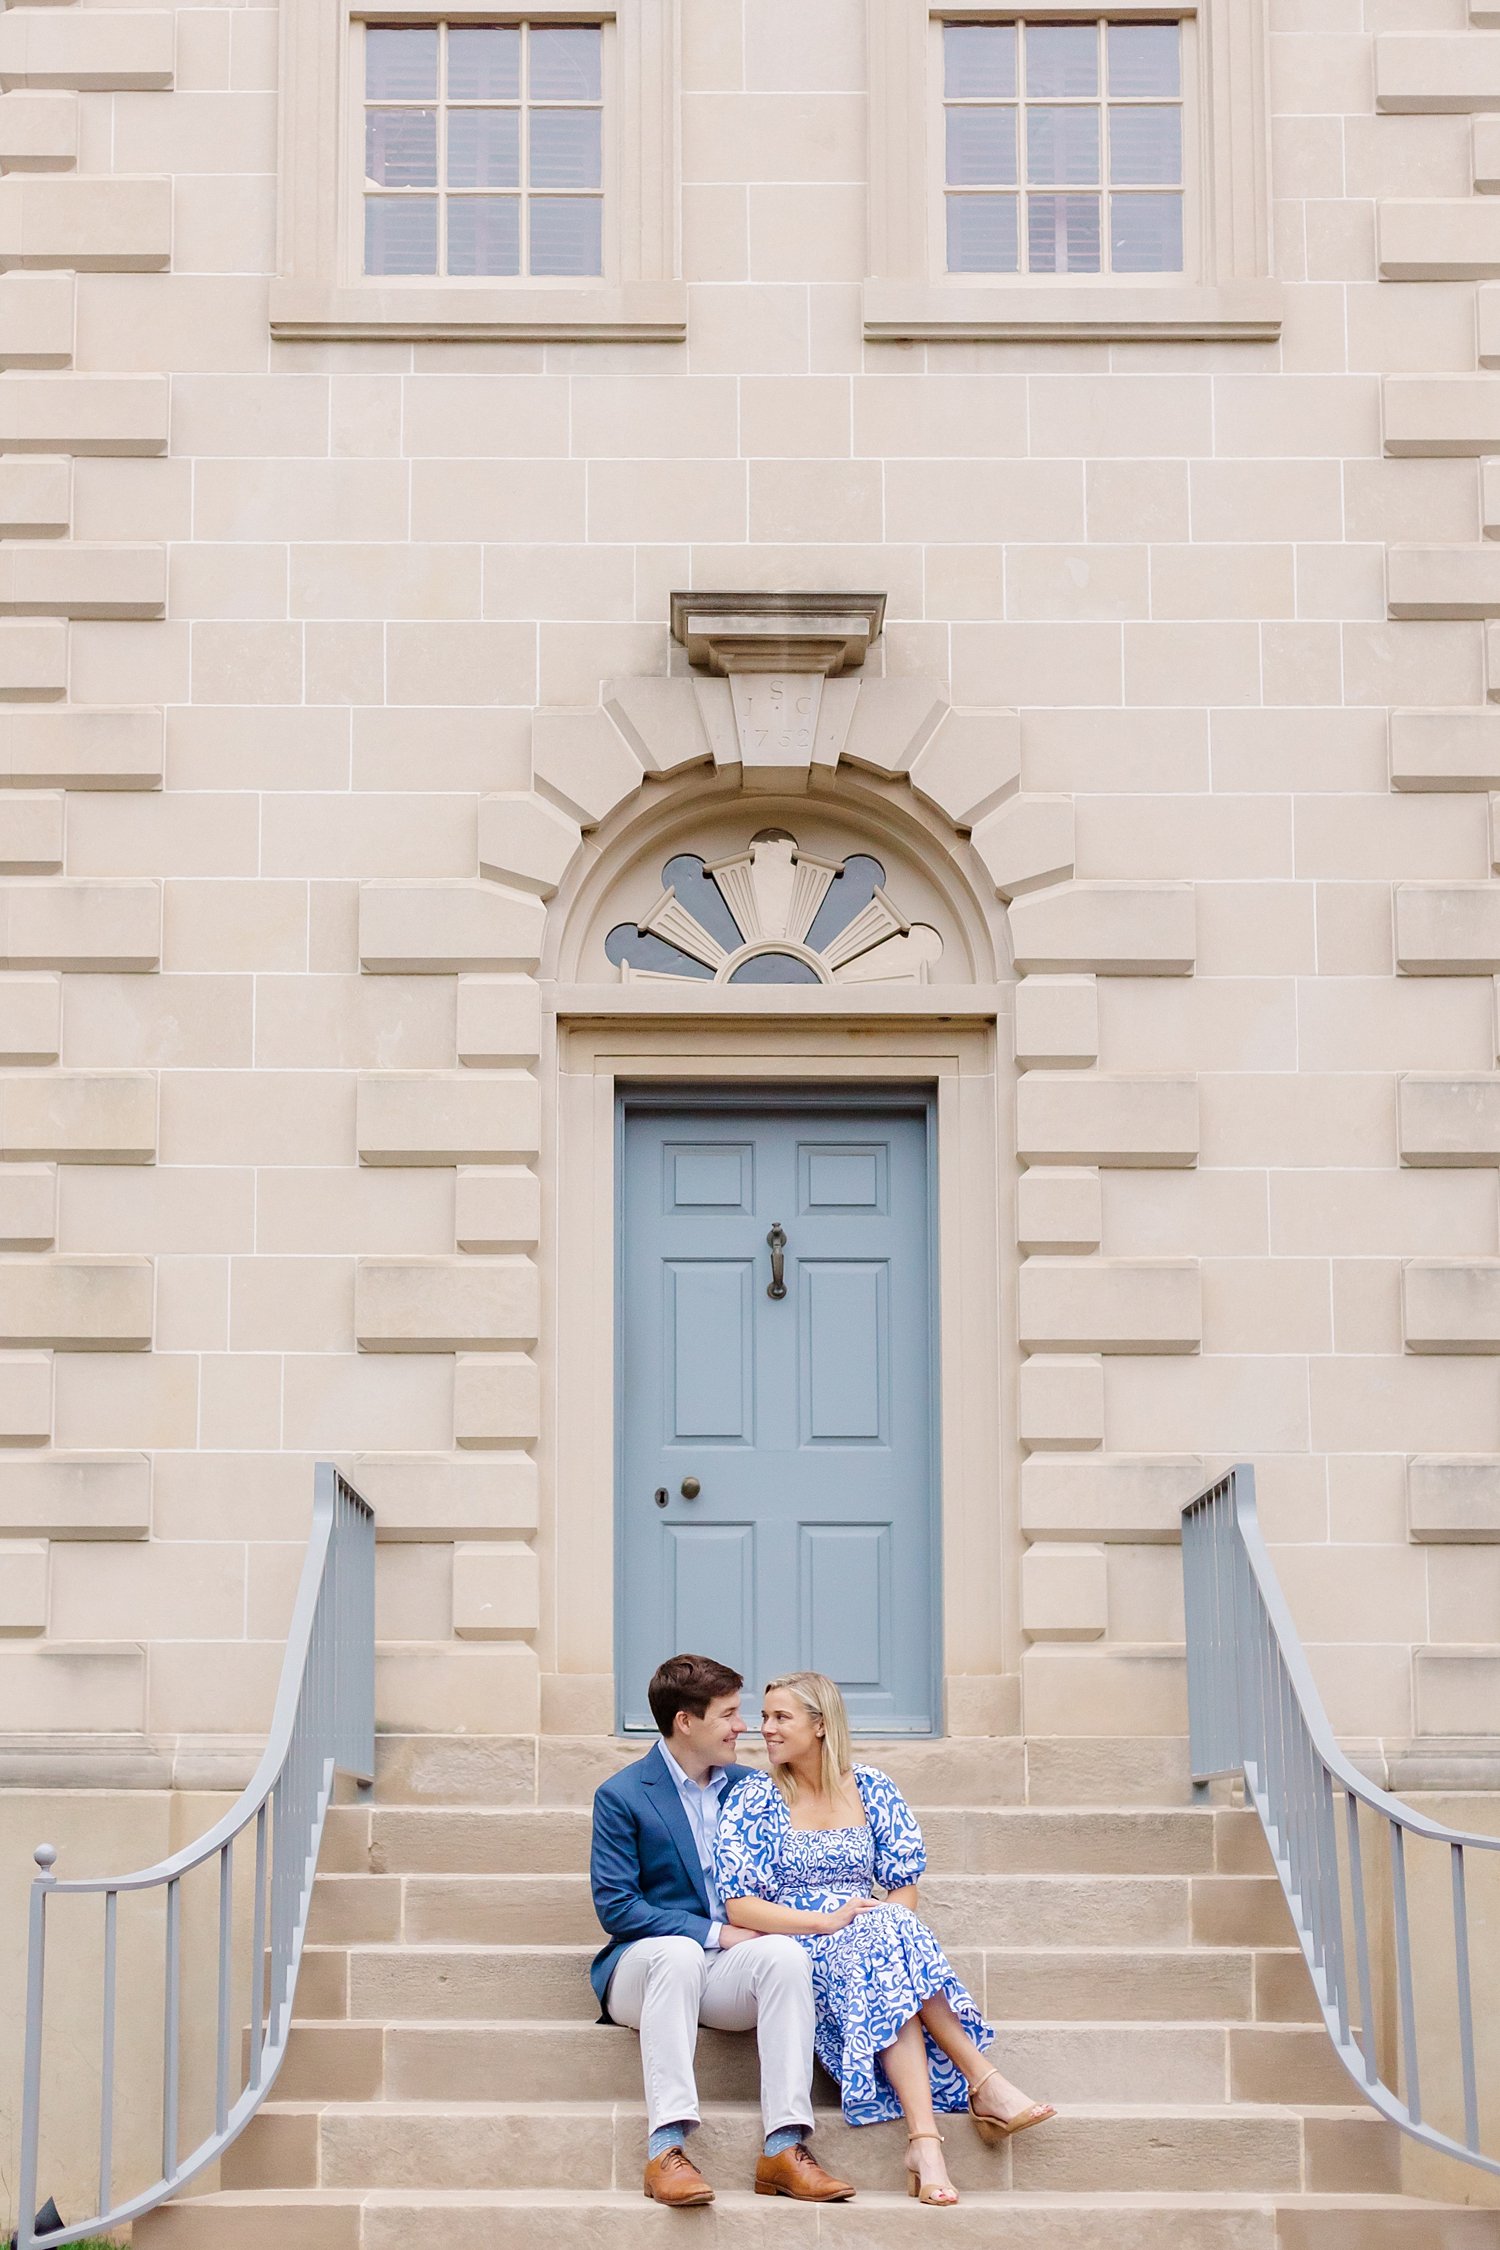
[657, 1778]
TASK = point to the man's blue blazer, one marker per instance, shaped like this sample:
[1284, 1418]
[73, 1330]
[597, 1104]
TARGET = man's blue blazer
[644, 1866]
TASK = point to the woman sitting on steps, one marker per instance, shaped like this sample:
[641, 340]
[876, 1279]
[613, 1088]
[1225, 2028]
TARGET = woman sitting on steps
[799, 1854]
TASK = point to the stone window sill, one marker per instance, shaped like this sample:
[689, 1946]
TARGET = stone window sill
[644, 312]
[1061, 311]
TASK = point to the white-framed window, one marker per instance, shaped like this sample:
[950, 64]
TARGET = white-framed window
[483, 150]
[1052, 168]
[1063, 146]
[464, 170]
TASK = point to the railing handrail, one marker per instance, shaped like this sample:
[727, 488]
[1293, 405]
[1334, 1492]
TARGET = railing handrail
[323, 1723]
[1241, 1479]
[1254, 1710]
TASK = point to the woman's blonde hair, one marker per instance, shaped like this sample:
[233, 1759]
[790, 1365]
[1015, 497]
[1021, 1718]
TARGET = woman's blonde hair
[821, 1700]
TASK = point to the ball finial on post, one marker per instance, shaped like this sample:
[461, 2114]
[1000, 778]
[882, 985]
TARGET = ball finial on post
[45, 1856]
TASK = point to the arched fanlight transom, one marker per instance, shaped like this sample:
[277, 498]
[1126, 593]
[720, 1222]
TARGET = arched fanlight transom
[774, 914]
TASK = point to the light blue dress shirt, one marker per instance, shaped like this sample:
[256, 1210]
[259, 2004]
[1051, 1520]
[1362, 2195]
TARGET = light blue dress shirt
[702, 1808]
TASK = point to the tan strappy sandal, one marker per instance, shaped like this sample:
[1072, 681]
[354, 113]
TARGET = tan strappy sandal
[993, 2130]
[941, 2198]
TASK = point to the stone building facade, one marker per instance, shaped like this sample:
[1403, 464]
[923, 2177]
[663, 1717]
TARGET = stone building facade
[371, 640]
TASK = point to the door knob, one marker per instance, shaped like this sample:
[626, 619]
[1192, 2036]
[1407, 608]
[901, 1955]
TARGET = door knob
[691, 1488]
[776, 1240]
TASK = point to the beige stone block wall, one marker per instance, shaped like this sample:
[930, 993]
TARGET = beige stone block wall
[284, 840]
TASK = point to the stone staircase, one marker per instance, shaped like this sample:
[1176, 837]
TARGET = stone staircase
[445, 2080]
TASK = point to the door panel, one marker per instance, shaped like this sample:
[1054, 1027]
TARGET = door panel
[845, 1361]
[709, 1347]
[846, 1589]
[807, 1420]
[711, 1574]
[704, 1178]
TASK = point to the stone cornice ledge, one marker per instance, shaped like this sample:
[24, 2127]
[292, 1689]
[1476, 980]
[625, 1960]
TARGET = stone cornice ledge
[640, 312]
[1248, 312]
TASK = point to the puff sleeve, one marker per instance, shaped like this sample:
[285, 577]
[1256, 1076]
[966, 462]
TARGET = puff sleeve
[747, 1849]
[900, 1854]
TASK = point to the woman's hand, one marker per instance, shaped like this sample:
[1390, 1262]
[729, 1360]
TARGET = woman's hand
[839, 1918]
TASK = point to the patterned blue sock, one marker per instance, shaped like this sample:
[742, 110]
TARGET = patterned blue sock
[665, 2137]
[785, 2136]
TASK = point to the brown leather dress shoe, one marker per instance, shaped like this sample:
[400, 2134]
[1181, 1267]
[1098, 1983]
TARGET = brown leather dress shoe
[674, 2178]
[796, 2172]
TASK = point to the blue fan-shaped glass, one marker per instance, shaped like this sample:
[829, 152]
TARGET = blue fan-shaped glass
[848, 894]
[645, 951]
[775, 968]
[702, 897]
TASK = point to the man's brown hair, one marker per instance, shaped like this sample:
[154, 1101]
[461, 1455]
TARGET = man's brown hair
[688, 1683]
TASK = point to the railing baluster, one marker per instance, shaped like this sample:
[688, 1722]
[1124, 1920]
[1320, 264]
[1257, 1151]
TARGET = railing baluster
[172, 2040]
[1361, 1940]
[258, 1949]
[107, 2056]
[31, 2067]
[1465, 1996]
[226, 1937]
[1405, 1994]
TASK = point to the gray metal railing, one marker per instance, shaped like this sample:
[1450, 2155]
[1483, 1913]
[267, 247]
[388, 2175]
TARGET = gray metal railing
[1391, 1981]
[324, 1722]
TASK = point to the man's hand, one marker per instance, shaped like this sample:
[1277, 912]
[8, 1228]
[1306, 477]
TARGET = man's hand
[729, 1935]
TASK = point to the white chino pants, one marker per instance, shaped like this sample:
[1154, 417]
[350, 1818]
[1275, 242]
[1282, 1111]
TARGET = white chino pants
[665, 1987]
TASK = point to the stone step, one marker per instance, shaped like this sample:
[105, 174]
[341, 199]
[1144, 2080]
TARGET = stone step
[1231, 1984]
[1095, 2148]
[598, 2219]
[992, 1909]
[961, 1839]
[564, 1769]
[509, 2060]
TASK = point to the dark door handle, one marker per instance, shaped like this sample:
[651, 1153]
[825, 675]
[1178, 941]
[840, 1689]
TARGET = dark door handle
[777, 1242]
[691, 1488]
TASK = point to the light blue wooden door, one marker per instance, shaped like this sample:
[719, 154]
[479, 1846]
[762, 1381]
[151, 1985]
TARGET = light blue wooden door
[801, 1407]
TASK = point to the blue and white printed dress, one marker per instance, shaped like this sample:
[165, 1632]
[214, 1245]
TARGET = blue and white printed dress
[872, 1976]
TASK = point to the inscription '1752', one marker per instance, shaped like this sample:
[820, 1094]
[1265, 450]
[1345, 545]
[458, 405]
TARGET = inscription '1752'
[776, 716]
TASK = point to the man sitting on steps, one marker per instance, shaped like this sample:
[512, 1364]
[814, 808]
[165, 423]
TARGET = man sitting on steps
[672, 1962]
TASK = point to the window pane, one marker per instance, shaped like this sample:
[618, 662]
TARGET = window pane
[484, 234]
[565, 63]
[981, 147]
[979, 61]
[982, 234]
[775, 968]
[1062, 233]
[401, 65]
[1062, 60]
[484, 148]
[1145, 233]
[567, 234]
[565, 148]
[1062, 146]
[401, 147]
[401, 234]
[1145, 145]
[484, 63]
[1145, 58]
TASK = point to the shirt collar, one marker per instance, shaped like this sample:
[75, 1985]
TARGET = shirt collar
[717, 1775]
